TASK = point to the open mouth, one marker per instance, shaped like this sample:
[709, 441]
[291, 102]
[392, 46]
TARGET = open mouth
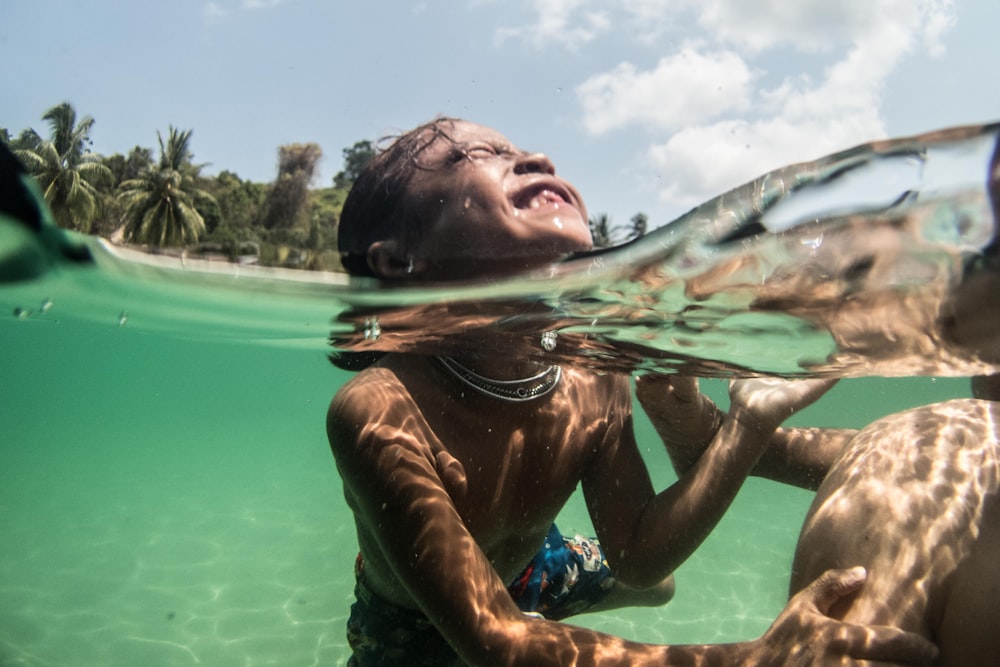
[540, 196]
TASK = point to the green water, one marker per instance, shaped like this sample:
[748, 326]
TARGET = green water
[168, 497]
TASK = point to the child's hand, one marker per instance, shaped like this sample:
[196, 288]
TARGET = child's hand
[804, 634]
[685, 419]
[763, 403]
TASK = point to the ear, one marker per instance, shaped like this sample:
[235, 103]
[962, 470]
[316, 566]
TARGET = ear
[387, 260]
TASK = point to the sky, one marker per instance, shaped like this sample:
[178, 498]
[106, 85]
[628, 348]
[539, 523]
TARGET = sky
[645, 105]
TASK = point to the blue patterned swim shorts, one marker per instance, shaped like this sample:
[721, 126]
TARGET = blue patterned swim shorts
[566, 577]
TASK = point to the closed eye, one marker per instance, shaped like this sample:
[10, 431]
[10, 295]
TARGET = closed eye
[479, 151]
[474, 151]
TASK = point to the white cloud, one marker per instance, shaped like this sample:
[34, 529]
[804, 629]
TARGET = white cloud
[682, 89]
[715, 126]
[750, 26]
[557, 25]
[939, 21]
[702, 161]
[704, 102]
[809, 25]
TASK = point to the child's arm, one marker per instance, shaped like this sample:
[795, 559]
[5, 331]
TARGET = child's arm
[687, 420]
[648, 536]
[398, 482]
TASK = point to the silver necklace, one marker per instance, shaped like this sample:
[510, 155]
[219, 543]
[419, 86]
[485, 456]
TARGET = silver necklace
[523, 389]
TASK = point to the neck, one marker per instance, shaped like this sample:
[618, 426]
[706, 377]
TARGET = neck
[498, 368]
[517, 390]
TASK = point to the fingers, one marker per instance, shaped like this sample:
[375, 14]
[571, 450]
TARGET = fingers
[775, 398]
[833, 585]
[874, 643]
[806, 635]
[883, 644]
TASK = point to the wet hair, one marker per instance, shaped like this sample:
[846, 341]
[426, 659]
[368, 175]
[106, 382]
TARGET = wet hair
[371, 212]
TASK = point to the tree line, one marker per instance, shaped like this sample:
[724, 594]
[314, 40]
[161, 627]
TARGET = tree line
[163, 200]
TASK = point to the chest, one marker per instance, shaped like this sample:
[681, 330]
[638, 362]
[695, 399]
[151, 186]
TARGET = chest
[520, 464]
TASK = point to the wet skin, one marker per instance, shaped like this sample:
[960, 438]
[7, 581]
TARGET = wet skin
[483, 207]
[913, 497]
[453, 491]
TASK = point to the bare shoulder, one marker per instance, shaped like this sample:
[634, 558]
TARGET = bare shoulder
[374, 408]
[371, 387]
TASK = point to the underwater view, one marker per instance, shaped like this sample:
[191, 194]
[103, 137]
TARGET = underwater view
[170, 498]
[319, 322]
[168, 494]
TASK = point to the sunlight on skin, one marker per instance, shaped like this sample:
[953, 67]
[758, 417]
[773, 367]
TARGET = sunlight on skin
[914, 499]
[453, 490]
[448, 527]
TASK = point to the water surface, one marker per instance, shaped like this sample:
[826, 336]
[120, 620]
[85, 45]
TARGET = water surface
[168, 496]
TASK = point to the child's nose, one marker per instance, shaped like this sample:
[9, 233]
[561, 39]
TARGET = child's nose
[534, 163]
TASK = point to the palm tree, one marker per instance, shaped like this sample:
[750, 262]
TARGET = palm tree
[639, 224]
[159, 205]
[66, 170]
[600, 230]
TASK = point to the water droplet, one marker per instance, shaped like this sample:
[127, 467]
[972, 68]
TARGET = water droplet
[812, 243]
[22, 313]
[46, 305]
[122, 318]
[373, 330]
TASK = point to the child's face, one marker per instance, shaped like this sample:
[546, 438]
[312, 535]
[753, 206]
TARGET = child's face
[486, 207]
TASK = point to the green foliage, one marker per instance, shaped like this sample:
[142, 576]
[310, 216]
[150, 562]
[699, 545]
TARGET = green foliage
[605, 234]
[123, 168]
[127, 167]
[159, 206]
[238, 204]
[163, 200]
[639, 226]
[67, 172]
[26, 140]
[287, 202]
[600, 230]
[355, 159]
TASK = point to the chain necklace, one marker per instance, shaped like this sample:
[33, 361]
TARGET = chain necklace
[523, 389]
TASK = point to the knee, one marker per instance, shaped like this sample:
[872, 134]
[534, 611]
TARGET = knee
[656, 595]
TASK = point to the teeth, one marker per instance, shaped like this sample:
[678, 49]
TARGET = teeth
[544, 197]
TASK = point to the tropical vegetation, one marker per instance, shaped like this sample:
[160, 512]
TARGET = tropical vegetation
[68, 173]
[164, 203]
[607, 234]
[159, 204]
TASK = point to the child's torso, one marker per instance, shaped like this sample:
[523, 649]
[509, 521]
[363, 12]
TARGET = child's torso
[519, 461]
